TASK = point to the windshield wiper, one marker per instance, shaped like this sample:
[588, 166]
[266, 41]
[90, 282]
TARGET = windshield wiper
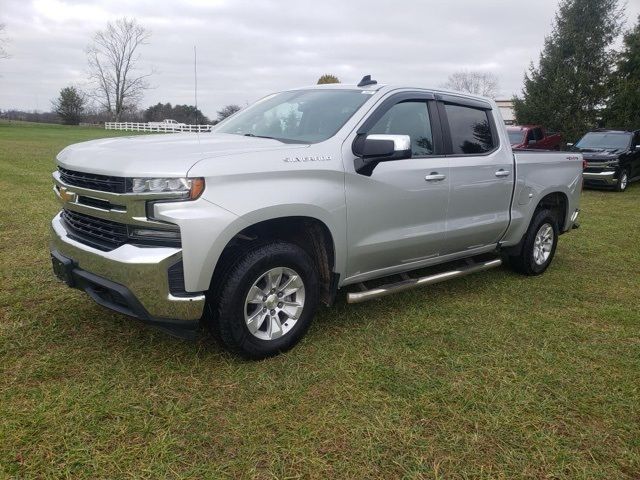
[259, 136]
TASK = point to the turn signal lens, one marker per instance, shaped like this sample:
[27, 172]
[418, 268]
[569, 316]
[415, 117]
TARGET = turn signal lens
[197, 187]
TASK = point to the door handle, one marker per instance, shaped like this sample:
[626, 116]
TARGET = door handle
[435, 177]
[502, 173]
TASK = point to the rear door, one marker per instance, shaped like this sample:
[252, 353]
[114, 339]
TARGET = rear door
[481, 174]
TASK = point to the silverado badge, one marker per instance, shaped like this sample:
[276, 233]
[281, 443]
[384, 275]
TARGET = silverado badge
[311, 158]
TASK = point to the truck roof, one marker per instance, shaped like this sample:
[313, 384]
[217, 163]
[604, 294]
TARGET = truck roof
[389, 87]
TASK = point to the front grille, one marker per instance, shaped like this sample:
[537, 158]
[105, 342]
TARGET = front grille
[92, 181]
[101, 234]
[102, 204]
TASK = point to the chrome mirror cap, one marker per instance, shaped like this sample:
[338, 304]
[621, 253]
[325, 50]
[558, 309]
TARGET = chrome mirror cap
[400, 142]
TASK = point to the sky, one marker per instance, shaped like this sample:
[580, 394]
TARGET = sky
[248, 49]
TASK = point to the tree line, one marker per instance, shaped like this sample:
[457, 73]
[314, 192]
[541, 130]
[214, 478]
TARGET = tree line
[72, 107]
[580, 82]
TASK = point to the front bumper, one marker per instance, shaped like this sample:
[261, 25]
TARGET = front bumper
[129, 279]
[607, 178]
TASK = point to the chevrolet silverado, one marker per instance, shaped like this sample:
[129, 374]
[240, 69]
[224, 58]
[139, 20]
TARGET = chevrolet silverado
[247, 229]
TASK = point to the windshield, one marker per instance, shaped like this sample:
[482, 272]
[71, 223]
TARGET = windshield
[516, 137]
[300, 116]
[604, 141]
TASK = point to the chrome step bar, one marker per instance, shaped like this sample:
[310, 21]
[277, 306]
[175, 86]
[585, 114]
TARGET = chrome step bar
[409, 283]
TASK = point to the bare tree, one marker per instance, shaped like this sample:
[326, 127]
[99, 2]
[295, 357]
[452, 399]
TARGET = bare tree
[3, 42]
[477, 83]
[113, 58]
[227, 111]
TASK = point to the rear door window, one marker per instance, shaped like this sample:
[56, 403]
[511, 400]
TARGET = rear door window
[535, 134]
[470, 130]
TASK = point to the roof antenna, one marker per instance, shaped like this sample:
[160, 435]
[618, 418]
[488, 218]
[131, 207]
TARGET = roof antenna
[366, 80]
[195, 80]
[195, 89]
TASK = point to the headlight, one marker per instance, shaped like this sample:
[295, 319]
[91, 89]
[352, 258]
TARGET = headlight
[191, 187]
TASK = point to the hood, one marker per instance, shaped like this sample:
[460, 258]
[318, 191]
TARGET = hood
[159, 154]
[592, 155]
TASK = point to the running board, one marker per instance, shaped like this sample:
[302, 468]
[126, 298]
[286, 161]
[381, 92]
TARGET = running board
[409, 283]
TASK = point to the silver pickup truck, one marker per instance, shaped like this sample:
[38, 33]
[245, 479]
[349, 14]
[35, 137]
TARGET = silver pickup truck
[246, 229]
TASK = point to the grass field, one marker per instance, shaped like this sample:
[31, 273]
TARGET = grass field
[490, 376]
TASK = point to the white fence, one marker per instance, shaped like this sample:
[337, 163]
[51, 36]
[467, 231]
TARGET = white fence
[156, 127]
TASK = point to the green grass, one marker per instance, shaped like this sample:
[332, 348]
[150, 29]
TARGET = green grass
[491, 376]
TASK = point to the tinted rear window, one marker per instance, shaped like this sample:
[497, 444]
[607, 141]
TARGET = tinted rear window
[516, 137]
[470, 130]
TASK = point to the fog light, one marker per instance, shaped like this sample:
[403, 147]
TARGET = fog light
[155, 234]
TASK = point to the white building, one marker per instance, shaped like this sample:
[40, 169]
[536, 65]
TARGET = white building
[506, 109]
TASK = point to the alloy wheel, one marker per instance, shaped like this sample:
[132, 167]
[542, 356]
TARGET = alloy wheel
[543, 244]
[274, 303]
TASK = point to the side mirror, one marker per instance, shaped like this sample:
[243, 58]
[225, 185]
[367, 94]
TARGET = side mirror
[637, 147]
[532, 142]
[569, 145]
[376, 148]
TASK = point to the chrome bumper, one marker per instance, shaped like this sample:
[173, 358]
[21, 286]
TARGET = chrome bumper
[141, 271]
[601, 178]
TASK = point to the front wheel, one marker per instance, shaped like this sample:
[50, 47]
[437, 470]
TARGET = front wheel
[539, 245]
[623, 181]
[267, 302]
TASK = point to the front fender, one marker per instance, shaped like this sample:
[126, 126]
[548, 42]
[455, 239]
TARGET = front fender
[206, 230]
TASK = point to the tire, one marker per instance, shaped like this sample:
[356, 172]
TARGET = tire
[241, 322]
[623, 181]
[531, 260]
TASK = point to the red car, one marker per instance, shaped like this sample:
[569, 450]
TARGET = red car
[533, 136]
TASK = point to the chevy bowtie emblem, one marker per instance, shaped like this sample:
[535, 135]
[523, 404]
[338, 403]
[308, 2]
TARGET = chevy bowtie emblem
[66, 195]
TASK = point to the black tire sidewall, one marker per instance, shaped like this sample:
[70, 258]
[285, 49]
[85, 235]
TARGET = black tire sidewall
[619, 187]
[233, 329]
[541, 218]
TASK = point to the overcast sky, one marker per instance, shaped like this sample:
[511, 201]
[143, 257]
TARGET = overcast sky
[247, 49]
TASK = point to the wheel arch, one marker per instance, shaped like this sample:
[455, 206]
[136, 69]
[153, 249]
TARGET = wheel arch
[309, 232]
[555, 200]
[558, 203]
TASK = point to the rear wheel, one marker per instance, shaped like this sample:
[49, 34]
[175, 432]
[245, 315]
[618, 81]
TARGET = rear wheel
[623, 181]
[539, 244]
[267, 302]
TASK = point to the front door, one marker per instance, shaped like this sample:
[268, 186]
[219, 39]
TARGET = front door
[396, 218]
